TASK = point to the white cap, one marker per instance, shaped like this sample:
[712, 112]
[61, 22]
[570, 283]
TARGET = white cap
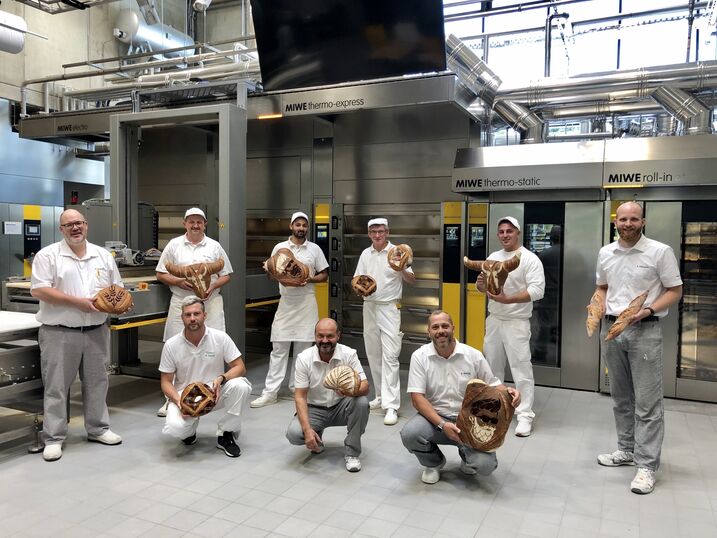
[195, 211]
[378, 222]
[512, 220]
[299, 215]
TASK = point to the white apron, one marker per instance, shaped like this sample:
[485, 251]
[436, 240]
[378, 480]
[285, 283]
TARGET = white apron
[295, 319]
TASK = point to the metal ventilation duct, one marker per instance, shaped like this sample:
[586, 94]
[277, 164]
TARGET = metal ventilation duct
[615, 85]
[527, 123]
[473, 72]
[685, 108]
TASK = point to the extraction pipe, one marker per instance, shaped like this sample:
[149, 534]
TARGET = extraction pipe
[614, 85]
[694, 115]
[549, 38]
[527, 123]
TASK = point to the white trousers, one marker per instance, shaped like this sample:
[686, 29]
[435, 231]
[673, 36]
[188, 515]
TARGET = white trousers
[215, 315]
[382, 337]
[278, 361]
[510, 339]
[232, 401]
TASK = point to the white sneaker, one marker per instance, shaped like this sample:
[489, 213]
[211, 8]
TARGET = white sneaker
[52, 452]
[524, 428]
[431, 475]
[162, 411]
[617, 458]
[353, 464]
[391, 417]
[644, 481]
[263, 400]
[467, 469]
[107, 438]
[375, 404]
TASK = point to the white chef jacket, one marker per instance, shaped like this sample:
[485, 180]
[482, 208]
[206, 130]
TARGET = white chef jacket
[528, 275]
[56, 266]
[389, 283]
[628, 272]
[443, 381]
[181, 251]
[311, 371]
[201, 363]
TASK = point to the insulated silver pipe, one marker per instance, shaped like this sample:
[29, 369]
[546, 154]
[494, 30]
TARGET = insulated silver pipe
[598, 109]
[471, 70]
[685, 108]
[522, 120]
[610, 86]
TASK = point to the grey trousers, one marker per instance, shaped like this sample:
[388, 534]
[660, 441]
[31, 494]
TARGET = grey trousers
[351, 412]
[421, 438]
[634, 362]
[64, 353]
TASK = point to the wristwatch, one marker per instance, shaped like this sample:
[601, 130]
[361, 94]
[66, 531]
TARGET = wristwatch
[440, 425]
[224, 379]
[652, 310]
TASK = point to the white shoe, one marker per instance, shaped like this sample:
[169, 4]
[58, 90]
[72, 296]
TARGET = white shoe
[374, 404]
[524, 428]
[644, 481]
[431, 475]
[617, 458]
[107, 438]
[391, 417]
[467, 469]
[263, 400]
[353, 464]
[52, 452]
[162, 411]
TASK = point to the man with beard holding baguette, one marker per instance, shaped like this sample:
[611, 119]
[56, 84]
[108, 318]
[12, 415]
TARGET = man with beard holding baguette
[437, 379]
[297, 312]
[627, 268]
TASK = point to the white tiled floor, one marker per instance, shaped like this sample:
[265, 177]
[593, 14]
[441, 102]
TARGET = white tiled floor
[546, 485]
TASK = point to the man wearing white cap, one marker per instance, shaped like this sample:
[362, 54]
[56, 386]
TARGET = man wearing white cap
[507, 328]
[382, 319]
[297, 313]
[192, 247]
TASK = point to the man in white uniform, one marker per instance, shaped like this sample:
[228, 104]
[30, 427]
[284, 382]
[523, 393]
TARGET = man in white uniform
[297, 313]
[382, 319]
[437, 382]
[317, 407]
[198, 354]
[626, 268]
[507, 328]
[74, 335]
[192, 247]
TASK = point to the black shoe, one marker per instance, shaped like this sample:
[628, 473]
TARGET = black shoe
[228, 445]
[190, 440]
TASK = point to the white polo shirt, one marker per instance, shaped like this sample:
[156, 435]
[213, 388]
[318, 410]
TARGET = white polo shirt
[648, 266]
[443, 381]
[311, 255]
[311, 371]
[190, 363]
[56, 266]
[389, 283]
[529, 275]
[181, 251]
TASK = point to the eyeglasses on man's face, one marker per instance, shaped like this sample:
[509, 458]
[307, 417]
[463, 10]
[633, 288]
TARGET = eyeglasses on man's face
[77, 223]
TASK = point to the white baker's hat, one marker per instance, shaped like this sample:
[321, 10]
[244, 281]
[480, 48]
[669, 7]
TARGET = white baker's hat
[195, 211]
[512, 220]
[299, 215]
[378, 222]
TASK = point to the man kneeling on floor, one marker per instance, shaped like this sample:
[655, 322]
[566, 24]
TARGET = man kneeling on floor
[198, 354]
[318, 407]
[437, 379]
